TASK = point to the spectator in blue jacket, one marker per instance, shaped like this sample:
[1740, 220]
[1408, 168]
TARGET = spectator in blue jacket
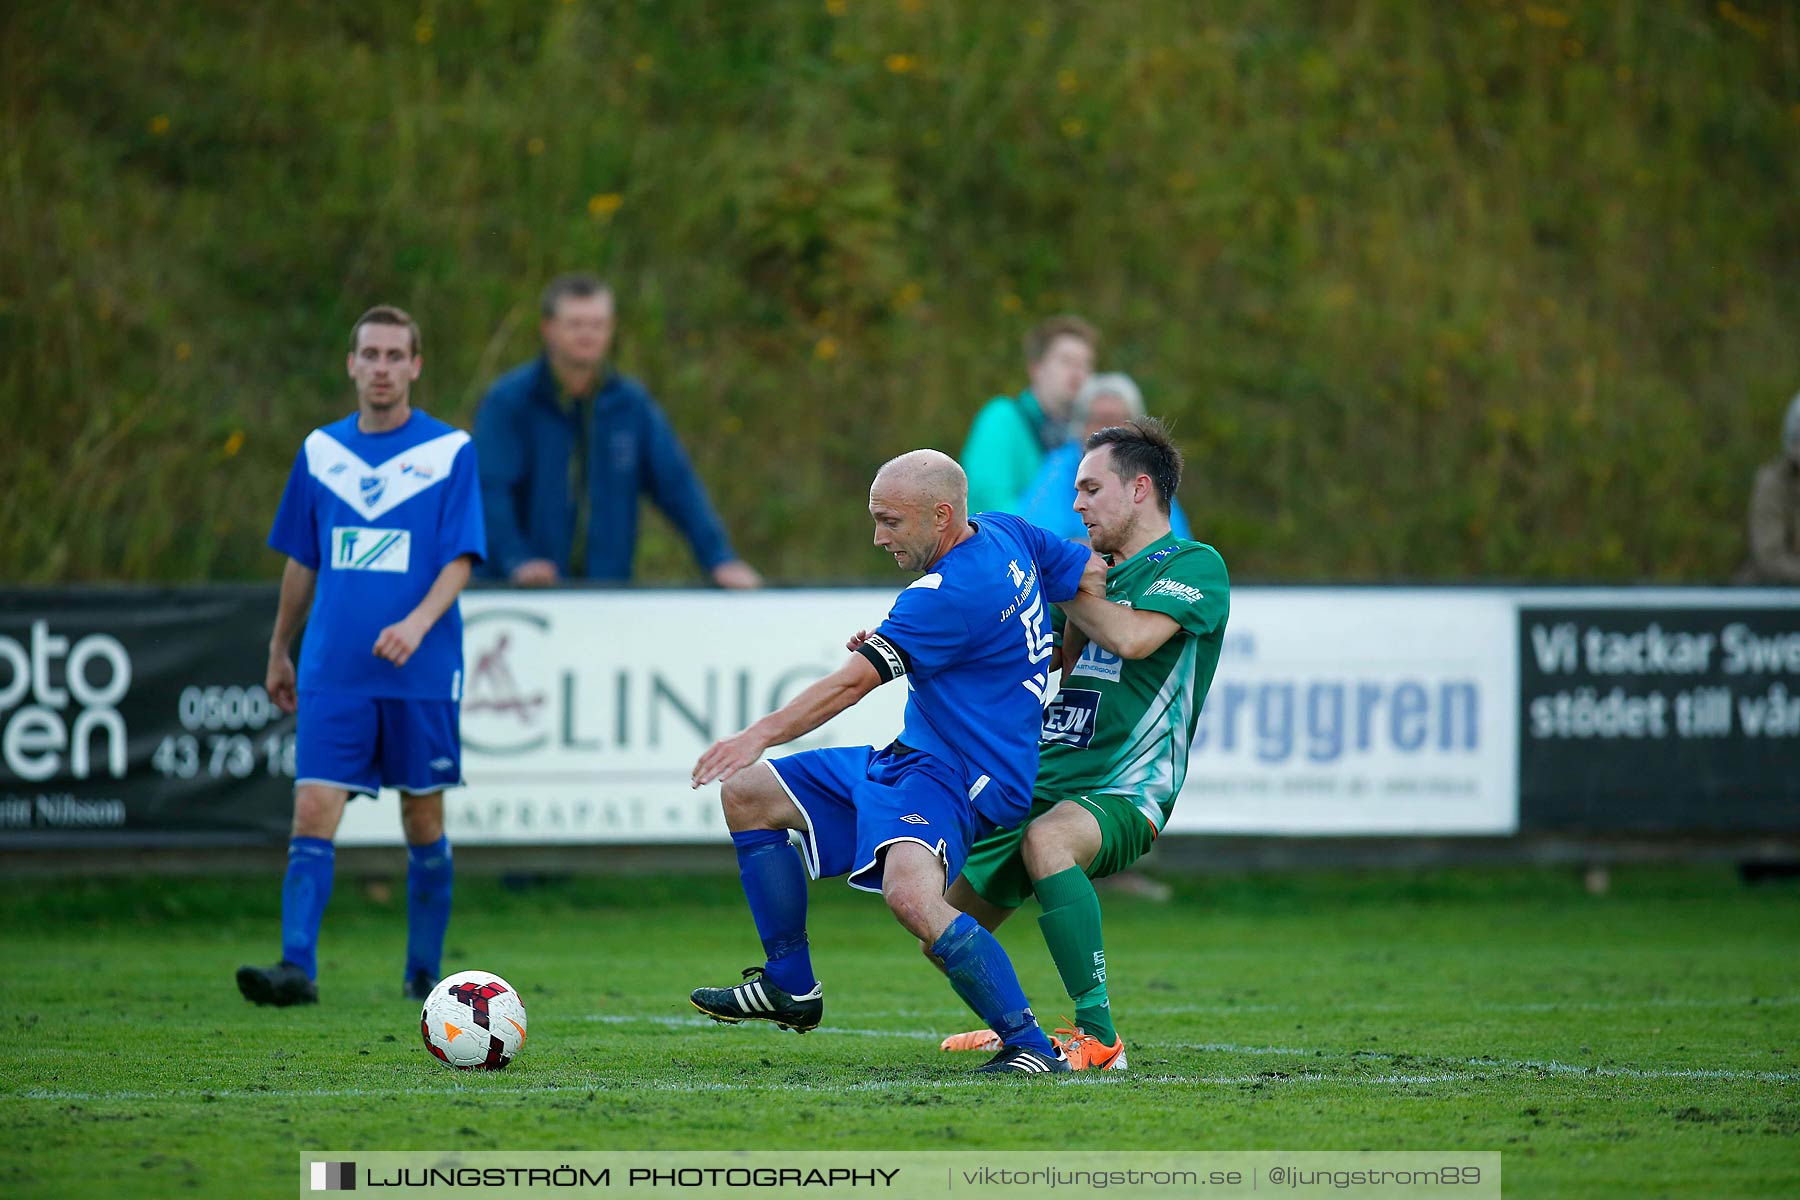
[567, 446]
[1103, 401]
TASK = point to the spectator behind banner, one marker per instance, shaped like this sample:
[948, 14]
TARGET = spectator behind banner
[1011, 434]
[1104, 401]
[1775, 511]
[567, 445]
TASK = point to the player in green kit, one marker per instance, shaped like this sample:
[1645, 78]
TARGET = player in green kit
[1114, 748]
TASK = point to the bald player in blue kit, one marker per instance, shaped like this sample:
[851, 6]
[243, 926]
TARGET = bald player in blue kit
[972, 637]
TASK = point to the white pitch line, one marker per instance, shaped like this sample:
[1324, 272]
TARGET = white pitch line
[1226, 1010]
[1553, 1067]
[1526, 1068]
[1231, 1048]
[1520, 1066]
[708, 1022]
[1645, 1002]
[1548, 1006]
[1093, 1079]
[619, 1085]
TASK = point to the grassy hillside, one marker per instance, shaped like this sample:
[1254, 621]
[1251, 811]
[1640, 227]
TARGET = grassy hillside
[1491, 289]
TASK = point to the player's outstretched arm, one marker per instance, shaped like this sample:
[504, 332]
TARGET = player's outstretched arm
[798, 717]
[397, 642]
[1126, 632]
[297, 583]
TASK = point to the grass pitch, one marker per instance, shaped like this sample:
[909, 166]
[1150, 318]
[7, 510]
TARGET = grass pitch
[1640, 1043]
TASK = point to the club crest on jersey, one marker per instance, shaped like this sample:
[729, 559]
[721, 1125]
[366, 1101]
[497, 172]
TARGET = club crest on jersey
[357, 549]
[372, 487]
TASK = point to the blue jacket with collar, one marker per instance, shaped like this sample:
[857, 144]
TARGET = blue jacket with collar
[526, 438]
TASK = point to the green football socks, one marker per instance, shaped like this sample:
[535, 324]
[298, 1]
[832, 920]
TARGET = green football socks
[1071, 925]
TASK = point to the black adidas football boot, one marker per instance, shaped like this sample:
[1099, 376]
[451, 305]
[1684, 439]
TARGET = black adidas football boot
[758, 999]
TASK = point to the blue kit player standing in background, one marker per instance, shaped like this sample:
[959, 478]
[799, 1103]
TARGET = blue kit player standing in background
[972, 637]
[381, 523]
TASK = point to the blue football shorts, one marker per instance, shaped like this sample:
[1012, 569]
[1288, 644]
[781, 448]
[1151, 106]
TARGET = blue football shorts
[365, 743]
[858, 801]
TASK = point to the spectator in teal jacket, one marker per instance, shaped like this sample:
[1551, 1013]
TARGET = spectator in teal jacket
[1011, 434]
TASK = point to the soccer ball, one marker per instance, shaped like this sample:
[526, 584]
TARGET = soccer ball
[474, 1021]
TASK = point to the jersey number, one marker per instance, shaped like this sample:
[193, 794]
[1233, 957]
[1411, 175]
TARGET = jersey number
[1040, 644]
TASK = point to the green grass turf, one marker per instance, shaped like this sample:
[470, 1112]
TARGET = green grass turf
[1640, 1043]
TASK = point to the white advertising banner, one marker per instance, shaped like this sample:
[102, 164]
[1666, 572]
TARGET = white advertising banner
[1335, 711]
[1359, 711]
[584, 712]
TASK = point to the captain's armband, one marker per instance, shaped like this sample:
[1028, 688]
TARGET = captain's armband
[889, 660]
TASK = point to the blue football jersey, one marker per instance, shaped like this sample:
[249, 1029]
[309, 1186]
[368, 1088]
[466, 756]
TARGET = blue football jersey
[378, 515]
[974, 633]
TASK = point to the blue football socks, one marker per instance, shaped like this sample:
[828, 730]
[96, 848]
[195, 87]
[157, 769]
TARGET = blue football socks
[305, 892]
[775, 884]
[428, 878]
[984, 977]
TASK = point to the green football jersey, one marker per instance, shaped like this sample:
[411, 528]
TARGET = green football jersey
[1124, 726]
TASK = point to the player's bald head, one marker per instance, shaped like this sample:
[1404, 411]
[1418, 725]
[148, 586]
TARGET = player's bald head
[923, 479]
[920, 503]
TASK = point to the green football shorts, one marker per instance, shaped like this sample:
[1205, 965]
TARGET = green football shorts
[996, 869]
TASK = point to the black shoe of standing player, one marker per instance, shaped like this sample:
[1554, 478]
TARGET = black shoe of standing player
[281, 985]
[758, 999]
[418, 986]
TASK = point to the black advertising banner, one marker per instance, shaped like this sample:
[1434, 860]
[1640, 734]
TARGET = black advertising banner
[1659, 719]
[139, 715]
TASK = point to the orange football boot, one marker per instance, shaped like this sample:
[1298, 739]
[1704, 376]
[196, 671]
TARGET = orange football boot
[1087, 1053]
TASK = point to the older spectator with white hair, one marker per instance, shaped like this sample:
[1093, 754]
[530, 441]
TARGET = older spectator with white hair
[1775, 511]
[1103, 401]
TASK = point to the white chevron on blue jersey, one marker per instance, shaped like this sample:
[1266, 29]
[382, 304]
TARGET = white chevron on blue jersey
[373, 491]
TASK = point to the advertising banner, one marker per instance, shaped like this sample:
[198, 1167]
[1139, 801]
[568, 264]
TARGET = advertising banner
[1641, 714]
[1335, 711]
[1351, 711]
[585, 711]
[140, 713]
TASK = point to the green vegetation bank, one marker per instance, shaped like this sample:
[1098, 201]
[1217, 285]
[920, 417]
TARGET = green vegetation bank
[1477, 290]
